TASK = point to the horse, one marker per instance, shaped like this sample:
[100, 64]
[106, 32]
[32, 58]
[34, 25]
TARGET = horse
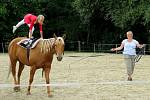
[41, 56]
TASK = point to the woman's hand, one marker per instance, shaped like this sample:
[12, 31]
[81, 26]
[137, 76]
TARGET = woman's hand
[113, 49]
[143, 45]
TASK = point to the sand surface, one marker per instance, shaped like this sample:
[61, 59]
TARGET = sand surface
[82, 76]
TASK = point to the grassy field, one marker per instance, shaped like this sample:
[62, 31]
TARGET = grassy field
[82, 76]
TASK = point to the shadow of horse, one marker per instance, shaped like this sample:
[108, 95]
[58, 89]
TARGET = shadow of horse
[41, 56]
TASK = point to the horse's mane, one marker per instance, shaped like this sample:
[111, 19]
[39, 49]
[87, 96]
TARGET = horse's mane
[47, 44]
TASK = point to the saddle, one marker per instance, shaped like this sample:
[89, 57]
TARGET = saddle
[28, 43]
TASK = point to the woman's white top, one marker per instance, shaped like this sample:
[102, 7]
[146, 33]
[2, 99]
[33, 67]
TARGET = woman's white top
[129, 47]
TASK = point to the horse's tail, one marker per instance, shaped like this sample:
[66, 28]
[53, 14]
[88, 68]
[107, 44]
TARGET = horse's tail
[10, 66]
[42, 72]
[9, 71]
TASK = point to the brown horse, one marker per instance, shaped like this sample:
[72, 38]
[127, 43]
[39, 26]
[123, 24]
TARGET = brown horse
[40, 57]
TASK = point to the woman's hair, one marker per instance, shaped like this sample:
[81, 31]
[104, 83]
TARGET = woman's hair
[130, 32]
[40, 17]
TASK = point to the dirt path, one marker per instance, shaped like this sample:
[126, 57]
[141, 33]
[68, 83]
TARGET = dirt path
[83, 76]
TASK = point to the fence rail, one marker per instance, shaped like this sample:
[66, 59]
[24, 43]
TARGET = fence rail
[79, 46]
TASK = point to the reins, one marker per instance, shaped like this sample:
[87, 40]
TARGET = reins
[140, 52]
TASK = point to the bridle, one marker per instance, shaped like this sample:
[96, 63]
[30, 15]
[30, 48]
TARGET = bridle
[54, 45]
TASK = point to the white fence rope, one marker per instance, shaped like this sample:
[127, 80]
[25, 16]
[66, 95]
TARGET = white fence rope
[78, 84]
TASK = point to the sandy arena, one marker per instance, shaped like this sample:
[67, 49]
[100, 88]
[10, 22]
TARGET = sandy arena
[82, 76]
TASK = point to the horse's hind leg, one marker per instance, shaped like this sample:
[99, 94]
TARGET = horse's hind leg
[21, 67]
[13, 70]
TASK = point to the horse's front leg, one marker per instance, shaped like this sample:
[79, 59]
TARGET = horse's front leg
[32, 72]
[47, 71]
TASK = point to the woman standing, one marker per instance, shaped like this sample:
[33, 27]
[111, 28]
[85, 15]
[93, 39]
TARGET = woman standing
[129, 52]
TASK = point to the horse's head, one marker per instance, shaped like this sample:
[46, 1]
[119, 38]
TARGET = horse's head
[59, 47]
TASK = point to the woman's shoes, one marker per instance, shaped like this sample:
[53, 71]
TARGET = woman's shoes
[129, 79]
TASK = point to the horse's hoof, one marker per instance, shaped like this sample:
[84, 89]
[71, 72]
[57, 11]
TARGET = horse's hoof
[28, 93]
[50, 96]
[16, 89]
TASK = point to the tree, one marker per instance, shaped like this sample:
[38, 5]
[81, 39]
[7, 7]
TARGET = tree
[102, 16]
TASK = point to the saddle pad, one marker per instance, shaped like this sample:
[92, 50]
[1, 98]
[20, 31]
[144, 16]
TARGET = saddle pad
[28, 43]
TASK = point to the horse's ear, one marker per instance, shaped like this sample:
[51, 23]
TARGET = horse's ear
[64, 36]
[54, 36]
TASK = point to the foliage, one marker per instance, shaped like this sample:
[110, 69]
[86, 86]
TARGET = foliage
[103, 21]
[114, 16]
